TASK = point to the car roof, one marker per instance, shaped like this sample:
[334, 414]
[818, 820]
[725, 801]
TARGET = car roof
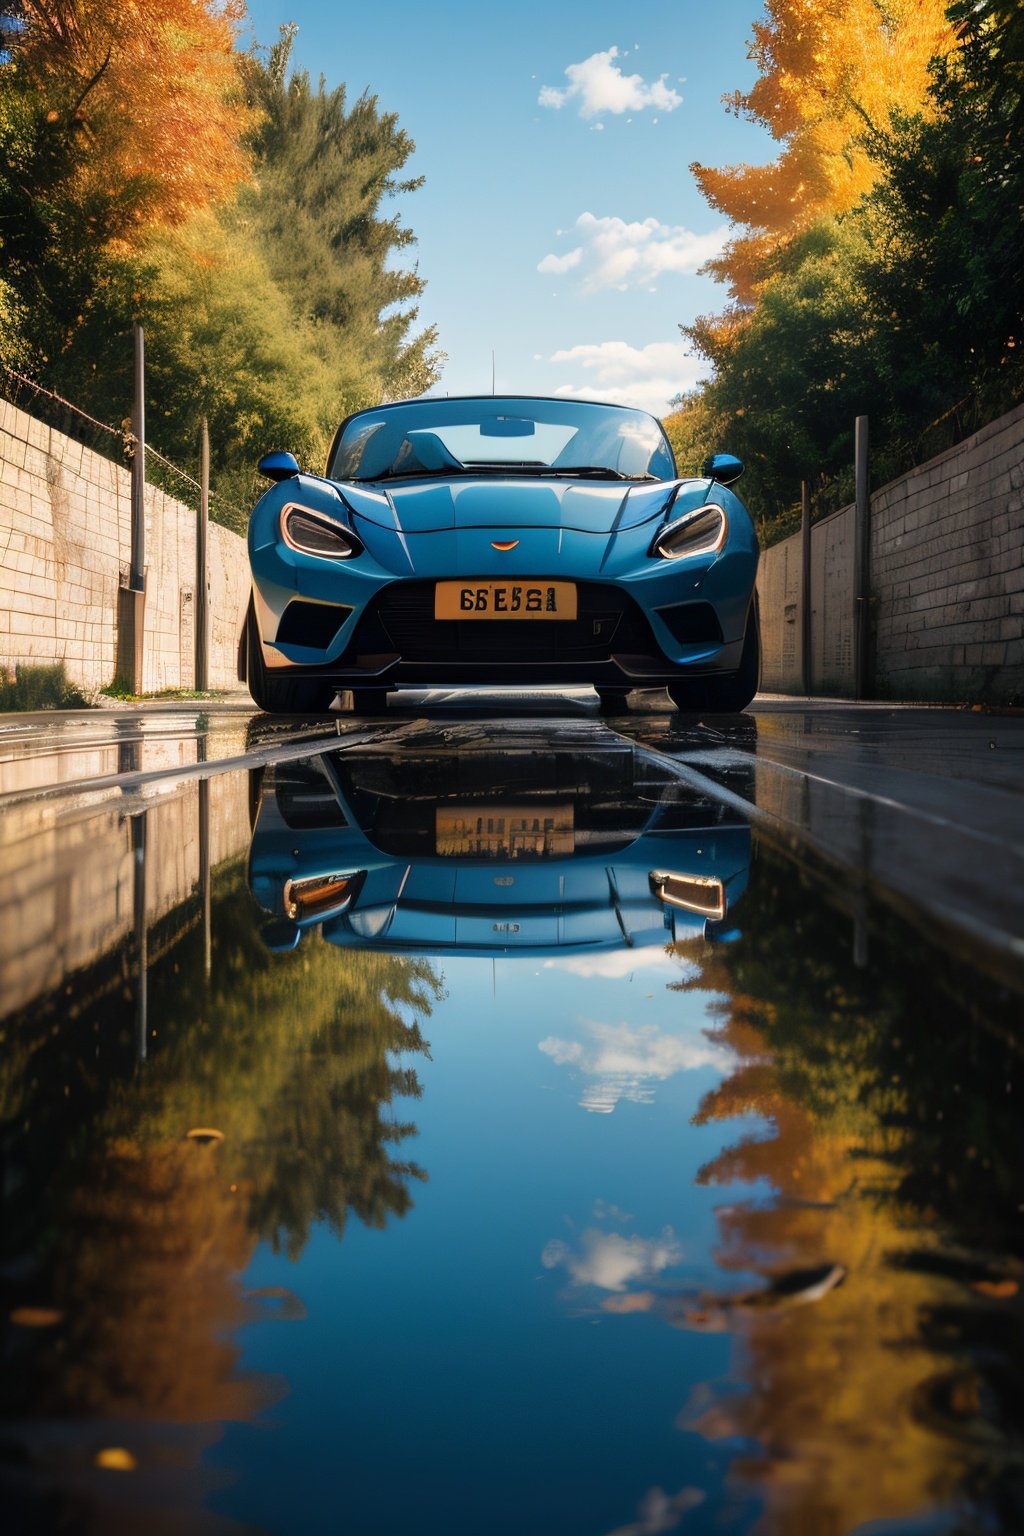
[391, 405]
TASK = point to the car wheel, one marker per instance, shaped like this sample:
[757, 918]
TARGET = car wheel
[729, 694]
[281, 695]
[614, 701]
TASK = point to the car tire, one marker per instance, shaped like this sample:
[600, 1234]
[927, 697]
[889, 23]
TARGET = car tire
[281, 695]
[732, 693]
[614, 701]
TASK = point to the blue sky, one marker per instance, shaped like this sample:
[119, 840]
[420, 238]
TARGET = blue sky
[558, 224]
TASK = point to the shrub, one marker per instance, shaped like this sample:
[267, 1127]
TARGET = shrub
[46, 687]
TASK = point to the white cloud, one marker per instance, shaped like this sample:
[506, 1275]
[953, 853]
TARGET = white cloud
[617, 254]
[647, 377]
[561, 263]
[599, 85]
[610, 1261]
[623, 1062]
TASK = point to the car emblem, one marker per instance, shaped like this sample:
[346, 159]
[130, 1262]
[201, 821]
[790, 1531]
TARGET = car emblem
[504, 543]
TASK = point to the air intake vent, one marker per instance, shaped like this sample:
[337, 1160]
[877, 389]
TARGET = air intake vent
[312, 624]
[692, 623]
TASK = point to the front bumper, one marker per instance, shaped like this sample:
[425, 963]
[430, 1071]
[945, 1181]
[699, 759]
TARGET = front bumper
[396, 639]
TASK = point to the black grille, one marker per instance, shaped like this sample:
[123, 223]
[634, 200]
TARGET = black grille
[692, 622]
[312, 624]
[607, 621]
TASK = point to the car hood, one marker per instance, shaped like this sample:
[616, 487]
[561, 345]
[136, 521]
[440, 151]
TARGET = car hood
[489, 502]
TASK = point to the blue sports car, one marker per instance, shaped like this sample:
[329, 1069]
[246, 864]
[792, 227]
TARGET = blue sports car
[501, 540]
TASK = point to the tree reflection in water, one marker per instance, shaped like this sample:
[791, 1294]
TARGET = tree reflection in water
[894, 1164]
[136, 1233]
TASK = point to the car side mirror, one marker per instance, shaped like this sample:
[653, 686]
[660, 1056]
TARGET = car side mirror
[723, 467]
[278, 465]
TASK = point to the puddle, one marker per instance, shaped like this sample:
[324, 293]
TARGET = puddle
[481, 1130]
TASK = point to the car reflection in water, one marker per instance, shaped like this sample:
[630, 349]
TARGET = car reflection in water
[503, 851]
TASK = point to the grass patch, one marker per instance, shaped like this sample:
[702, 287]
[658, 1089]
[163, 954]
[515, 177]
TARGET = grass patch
[46, 687]
[121, 690]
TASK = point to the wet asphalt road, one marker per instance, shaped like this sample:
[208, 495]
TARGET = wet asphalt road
[922, 806]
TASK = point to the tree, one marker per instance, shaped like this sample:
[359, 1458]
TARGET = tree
[325, 171]
[277, 315]
[115, 120]
[945, 274]
[791, 376]
[880, 266]
[825, 69]
[236, 210]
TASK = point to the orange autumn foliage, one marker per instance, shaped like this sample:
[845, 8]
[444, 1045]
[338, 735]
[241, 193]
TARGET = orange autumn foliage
[827, 68]
[149, 94]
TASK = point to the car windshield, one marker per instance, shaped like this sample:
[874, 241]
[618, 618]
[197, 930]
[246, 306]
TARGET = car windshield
[507, 436]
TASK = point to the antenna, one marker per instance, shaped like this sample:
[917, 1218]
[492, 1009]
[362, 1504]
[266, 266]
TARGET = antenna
[492, 371]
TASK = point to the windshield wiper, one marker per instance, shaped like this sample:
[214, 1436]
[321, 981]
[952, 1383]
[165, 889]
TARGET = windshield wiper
[412, 474]
[594, 472]
[538, 471]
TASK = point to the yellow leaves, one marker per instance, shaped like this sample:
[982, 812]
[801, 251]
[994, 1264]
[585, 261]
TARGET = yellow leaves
[825, 67]
[157, 84]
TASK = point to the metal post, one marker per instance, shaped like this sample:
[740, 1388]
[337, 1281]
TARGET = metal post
[138, 566]
[861, 557]
[202, 529]
[806, 680]
[132, 602]
[141, 934]
[205, 883]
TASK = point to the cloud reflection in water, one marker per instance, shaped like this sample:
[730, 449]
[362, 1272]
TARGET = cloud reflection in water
[610, 1261]
[625, 1061]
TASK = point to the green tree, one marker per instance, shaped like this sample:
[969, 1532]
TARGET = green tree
[945, 273]
[791, 377]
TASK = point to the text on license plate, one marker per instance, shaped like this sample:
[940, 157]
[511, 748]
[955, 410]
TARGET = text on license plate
[505, 600]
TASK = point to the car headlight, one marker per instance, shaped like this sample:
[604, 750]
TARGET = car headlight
[694, 893]
[324, 896]
[313, 533]
[701, 532]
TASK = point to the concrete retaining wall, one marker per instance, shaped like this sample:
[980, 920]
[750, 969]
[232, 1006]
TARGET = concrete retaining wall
[946, 582]
[65, 541]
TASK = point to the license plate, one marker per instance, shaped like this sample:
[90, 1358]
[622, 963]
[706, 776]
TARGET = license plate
[505, 600]
[504, 831]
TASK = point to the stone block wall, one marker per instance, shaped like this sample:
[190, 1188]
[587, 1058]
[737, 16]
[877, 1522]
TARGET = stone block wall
[65, 545]
[947, 571]
[946, 582]
[779, 600]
